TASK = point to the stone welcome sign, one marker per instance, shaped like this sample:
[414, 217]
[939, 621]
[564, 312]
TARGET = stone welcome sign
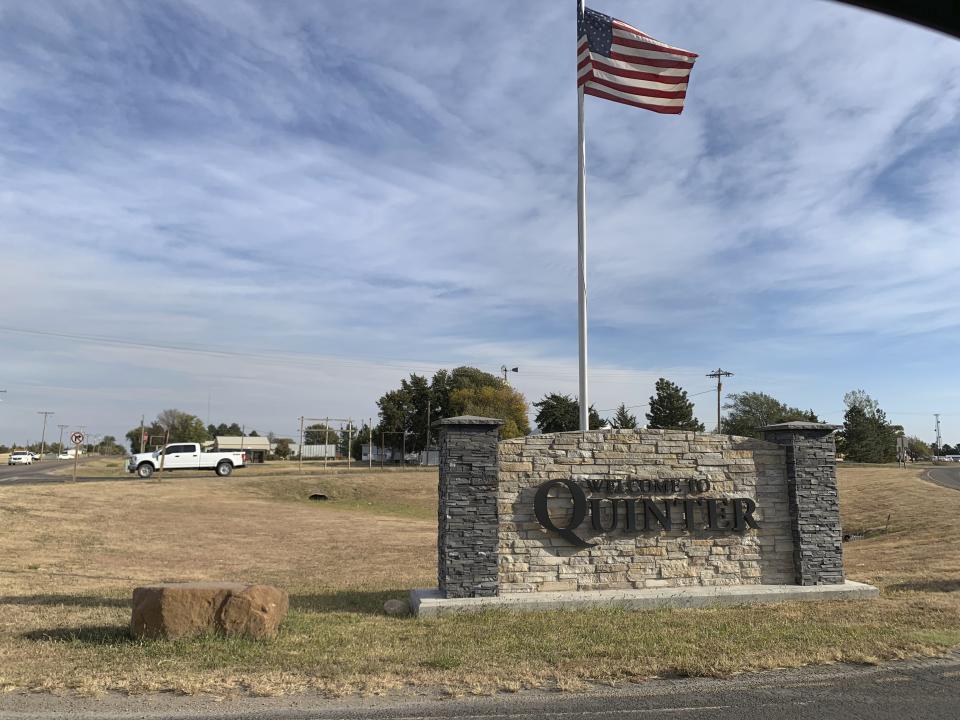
[635, 517]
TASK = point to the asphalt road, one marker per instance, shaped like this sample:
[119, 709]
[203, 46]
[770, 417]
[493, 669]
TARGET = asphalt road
[927, 689]
[947, 476]
[39, 474]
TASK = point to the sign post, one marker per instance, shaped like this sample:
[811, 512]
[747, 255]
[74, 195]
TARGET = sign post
[163, 456]
[77, 439]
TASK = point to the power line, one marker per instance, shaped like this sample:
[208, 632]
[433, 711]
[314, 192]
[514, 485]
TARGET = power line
[632, 407]
[308, 359]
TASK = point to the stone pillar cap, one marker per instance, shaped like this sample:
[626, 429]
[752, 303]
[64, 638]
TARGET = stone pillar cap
[801, 425]
[468, 420]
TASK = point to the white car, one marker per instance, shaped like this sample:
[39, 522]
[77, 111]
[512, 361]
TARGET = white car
[20, 457]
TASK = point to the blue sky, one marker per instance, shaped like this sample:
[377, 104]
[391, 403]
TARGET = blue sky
[301, 202]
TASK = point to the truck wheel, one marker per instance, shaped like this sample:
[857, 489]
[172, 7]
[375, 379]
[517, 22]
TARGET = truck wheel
[144, 470]
[224, 468]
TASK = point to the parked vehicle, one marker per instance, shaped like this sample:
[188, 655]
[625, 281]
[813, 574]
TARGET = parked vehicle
[185, 456]
[20, 457]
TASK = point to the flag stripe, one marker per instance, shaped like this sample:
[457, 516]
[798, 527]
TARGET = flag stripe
[625, 70]
[654, 86]
[620, 24]
[626, 31]
[671, 110]
[618, 39]
[629, 56]
[630, 94]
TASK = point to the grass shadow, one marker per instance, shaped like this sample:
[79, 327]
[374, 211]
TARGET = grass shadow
[364, 602]
[936, 586]
[89, 601]
[85, 634]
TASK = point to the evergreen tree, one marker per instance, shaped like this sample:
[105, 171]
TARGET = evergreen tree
[623, 420]
[558, 412]
[866, 435]
[671, 409]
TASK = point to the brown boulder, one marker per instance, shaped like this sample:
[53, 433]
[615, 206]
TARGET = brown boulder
[177, 610]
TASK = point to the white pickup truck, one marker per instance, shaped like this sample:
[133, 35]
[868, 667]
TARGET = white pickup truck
[184, 456]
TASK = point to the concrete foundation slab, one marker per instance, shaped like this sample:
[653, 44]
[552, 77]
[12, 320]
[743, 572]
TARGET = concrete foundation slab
[429, 603]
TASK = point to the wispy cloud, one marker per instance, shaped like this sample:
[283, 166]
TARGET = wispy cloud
[395, 183]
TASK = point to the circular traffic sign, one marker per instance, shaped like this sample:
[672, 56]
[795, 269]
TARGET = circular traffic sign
[77, 438]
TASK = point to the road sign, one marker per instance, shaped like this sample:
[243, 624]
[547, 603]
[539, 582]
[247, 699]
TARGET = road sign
[77, 438]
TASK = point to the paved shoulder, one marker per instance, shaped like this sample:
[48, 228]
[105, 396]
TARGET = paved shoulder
[945, 476]
[927, 689]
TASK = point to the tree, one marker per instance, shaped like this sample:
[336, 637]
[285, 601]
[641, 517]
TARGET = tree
[361, 437]
[153, 430]
[282, 449]
[623, 420]
[671, 409]
[866, 434]
[947, 450]
[501, 402]
[320, 434]
[109, 446]
[183, 427]
[461, 391]
[917, 449]
[558, 412]
[751, 411]
[221, 430]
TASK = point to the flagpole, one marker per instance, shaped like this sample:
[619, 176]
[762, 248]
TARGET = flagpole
[582, 257]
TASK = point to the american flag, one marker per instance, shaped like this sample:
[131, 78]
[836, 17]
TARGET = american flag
[615, 61]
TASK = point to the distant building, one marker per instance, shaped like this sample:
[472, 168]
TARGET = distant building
[384, 454]
[313, 452]
[389, 455]
[255, 448]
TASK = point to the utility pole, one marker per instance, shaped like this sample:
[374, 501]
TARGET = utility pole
[719, 373]
[937, 417]
[60, 444]
[301, 444]
[143, 438]
[349, 442]
[370, 445]
[326, 441]
[43, 437]
[426, 450]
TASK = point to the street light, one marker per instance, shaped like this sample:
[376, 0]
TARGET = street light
[504, 369]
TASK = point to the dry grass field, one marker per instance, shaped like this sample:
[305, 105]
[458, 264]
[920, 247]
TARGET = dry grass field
[73, 553]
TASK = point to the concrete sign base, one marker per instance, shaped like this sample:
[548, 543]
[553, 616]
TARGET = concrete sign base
[431, 603]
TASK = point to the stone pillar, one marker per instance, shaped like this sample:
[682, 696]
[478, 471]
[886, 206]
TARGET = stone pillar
[814, 500]
[467, 514]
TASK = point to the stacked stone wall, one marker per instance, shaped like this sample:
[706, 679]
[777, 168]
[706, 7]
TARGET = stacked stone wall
[467, 510]
[532, 559]
[814, 501]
